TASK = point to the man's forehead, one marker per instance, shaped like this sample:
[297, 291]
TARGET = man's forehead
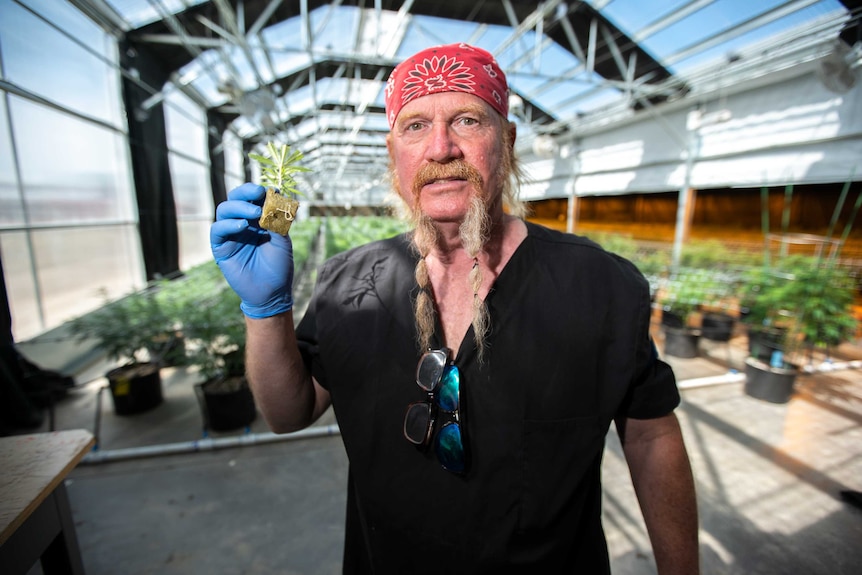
[446, 103]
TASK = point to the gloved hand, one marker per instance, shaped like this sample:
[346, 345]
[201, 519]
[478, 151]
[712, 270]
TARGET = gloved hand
[257, 264]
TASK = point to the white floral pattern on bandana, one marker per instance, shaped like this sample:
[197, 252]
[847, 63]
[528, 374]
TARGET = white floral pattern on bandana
[437, 74]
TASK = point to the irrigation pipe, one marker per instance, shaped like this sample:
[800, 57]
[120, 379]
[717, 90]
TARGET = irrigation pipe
[206, 444]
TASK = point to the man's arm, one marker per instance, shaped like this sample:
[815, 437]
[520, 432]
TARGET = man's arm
[663, 482]
[287, 395]
[258, 266]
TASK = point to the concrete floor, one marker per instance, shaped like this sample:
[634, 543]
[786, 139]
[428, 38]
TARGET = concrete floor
[769, 478]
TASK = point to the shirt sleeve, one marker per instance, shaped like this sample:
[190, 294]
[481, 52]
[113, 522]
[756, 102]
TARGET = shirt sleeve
[653, 391]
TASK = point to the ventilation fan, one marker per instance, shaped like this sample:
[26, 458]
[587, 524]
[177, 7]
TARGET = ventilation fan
[836, 71]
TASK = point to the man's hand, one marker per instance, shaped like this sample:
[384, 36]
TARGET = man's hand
[257, 264]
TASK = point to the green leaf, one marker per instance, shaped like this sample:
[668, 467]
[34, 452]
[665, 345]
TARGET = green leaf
[278, 168]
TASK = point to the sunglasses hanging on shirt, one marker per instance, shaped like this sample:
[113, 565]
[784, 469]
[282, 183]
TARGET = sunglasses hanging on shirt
[441, 380]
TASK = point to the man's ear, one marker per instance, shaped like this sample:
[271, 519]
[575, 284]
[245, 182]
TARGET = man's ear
[389, 144]
[513, 131]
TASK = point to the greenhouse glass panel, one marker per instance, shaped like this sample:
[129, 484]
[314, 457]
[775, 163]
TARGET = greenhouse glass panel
[77, 175]
[78, 74]
[194, 243]
[11, 206]
[192, 192]
[185, 124]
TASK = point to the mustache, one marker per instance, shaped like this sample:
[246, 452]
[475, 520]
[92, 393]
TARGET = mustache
[456, 169]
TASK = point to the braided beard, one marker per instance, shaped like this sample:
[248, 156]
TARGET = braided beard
[474, 232]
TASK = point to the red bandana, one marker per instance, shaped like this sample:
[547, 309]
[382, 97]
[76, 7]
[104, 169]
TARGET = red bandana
[450, 68]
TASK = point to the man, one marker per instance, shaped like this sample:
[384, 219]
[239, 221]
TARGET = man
[475, 364]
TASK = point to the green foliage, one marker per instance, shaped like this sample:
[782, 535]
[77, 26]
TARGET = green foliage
[812, 299]
[135, 328]
[278, 167]
[344, 233]
[704, 254]
[714, 253]
[652, 263]
[619, 244]
[686, 291]
[212, 322]
[302, 235]
[200, 305]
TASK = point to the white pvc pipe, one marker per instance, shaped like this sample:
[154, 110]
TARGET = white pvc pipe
[730, 377]
[827, 366]
[206, 444]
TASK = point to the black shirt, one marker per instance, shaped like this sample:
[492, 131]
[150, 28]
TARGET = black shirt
[569, 350]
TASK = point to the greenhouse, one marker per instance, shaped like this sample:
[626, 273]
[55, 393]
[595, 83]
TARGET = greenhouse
[713, 145]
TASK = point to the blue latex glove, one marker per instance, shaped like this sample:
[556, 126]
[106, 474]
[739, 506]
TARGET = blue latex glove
[256, 263]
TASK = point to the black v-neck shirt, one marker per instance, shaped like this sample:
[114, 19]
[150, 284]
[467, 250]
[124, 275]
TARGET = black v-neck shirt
[569, 350]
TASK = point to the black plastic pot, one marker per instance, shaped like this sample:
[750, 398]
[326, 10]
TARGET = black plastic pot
[763, 341]
[772, 384]
[670, 319]
[135, 388]
[227, 403]
[681, 342]
[717, 326]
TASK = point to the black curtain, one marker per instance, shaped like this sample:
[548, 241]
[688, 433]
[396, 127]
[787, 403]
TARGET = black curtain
[6, 338]
[216, 127]
[150, 169]
[247, 146]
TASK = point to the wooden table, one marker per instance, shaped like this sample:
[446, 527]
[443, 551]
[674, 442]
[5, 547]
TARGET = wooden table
[35, 517]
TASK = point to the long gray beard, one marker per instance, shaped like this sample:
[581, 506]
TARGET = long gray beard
[474, 232]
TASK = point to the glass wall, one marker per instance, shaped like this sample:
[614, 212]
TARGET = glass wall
[69, 237]
[189, 161]
[233, 161]
[68, 219]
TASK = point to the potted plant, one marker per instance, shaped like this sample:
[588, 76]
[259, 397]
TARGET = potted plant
[131, 330]
[215, 329]
[799, 303]
[717, 322]
[825, 313]
[277, 169]
[681, 297]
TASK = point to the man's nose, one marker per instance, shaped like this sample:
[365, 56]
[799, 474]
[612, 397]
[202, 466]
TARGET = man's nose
[442, 144]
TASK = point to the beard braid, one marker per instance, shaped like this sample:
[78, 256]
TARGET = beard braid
[424, 238]
[474, 232]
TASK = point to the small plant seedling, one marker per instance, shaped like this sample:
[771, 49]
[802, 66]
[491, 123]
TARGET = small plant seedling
[278, 167]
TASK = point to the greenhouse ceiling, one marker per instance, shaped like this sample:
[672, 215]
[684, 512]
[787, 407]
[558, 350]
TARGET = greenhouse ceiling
[311, 73]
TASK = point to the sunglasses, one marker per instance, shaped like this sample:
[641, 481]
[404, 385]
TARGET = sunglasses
[441, 380]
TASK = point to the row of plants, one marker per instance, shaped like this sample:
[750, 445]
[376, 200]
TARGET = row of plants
[809, 300]
[789, 304]
[344, 233]
[195, 321]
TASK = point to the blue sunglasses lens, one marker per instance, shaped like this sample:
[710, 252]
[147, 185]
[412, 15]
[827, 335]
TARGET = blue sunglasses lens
[450, 449]
[448, 396]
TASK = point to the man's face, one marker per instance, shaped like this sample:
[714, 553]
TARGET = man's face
[445, 148]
